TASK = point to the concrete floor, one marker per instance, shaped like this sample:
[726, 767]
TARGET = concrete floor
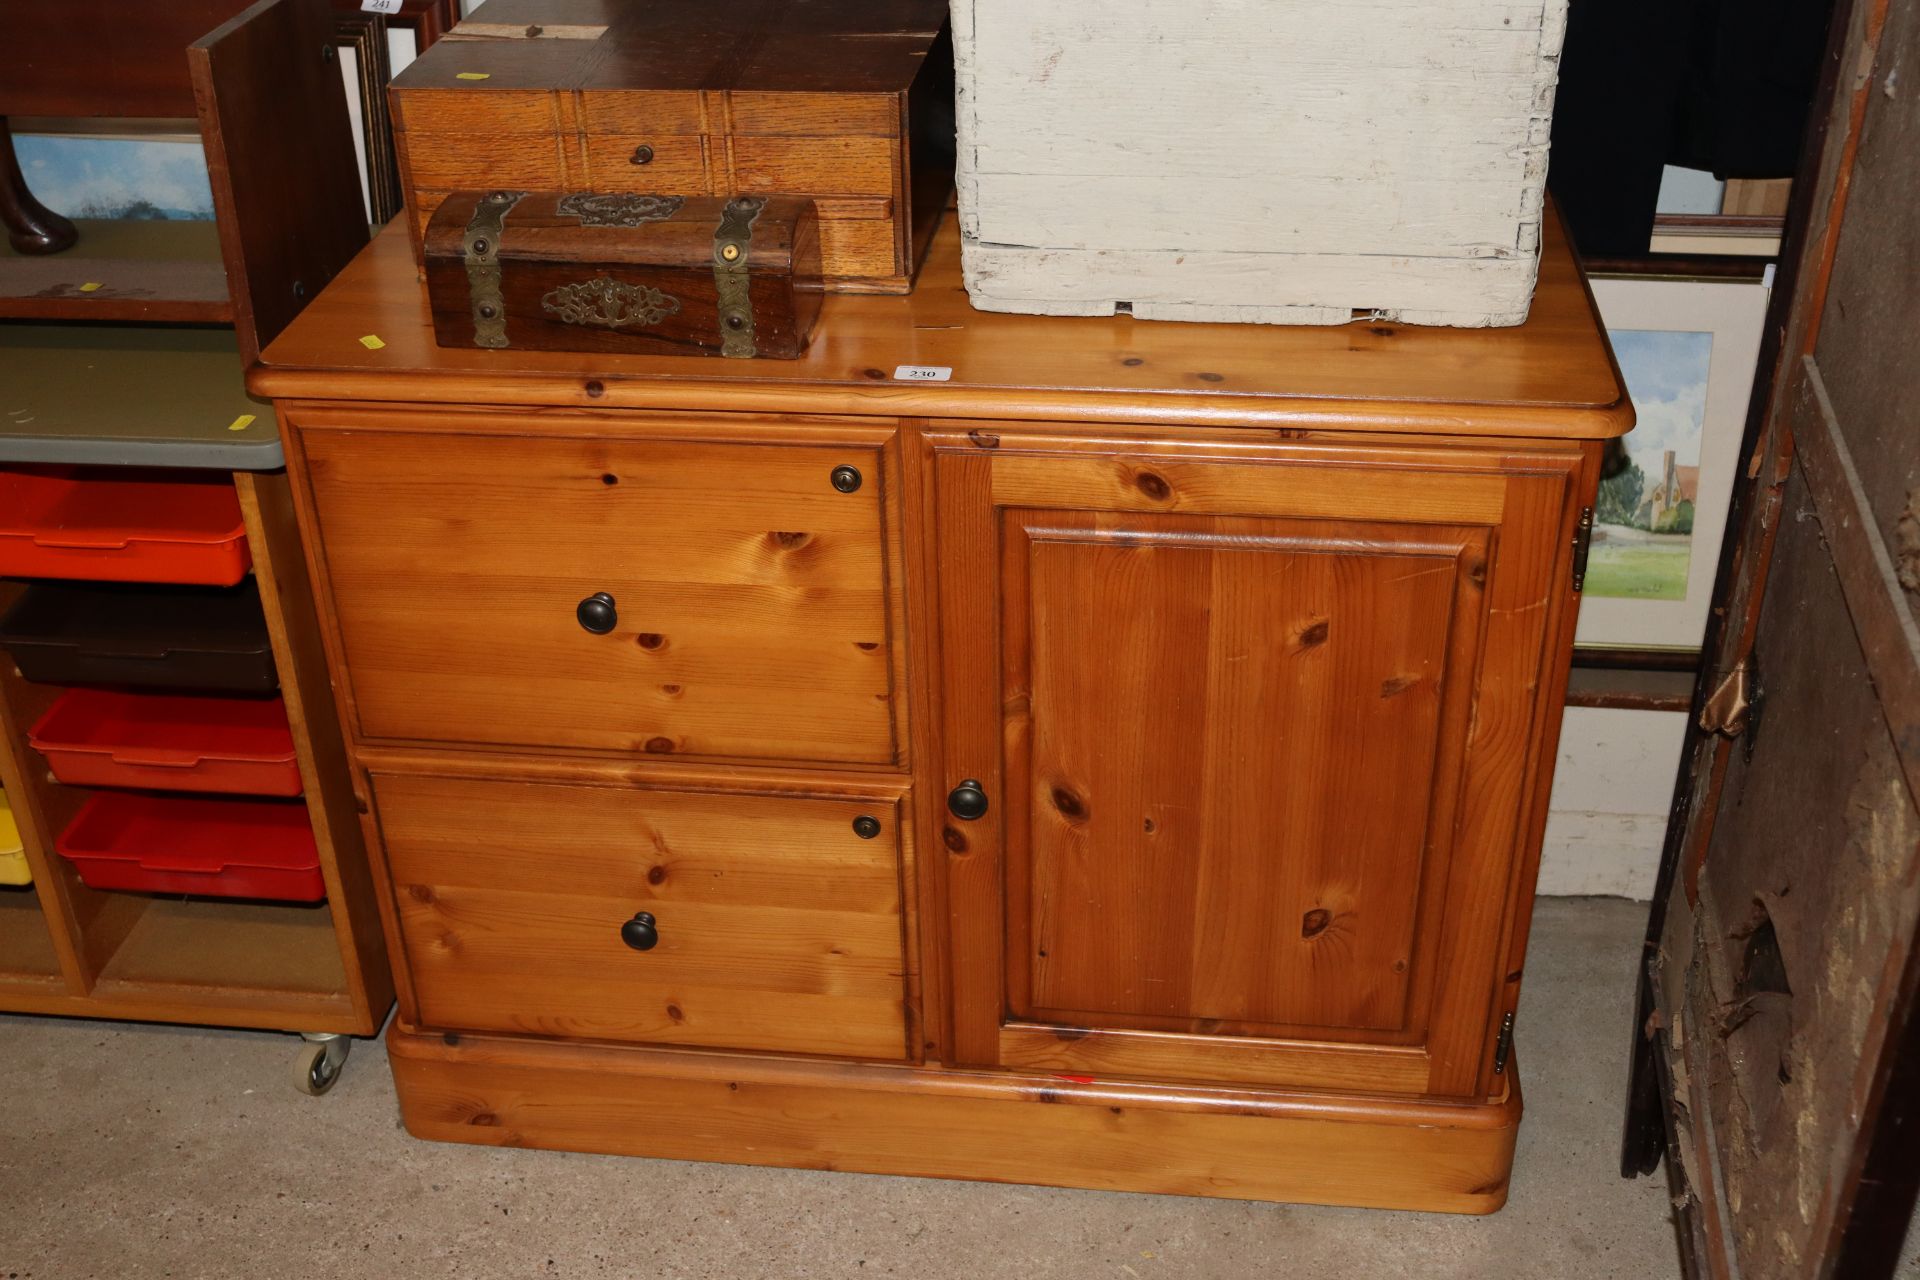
[130, 1151]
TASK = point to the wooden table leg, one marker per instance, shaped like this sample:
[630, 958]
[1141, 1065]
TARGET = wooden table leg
[31, 226]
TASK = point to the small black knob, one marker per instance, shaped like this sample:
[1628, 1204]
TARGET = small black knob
[597, 614]
[643, 154]
[846, 479]
[641, 933]
[865, 827]
[967, 801]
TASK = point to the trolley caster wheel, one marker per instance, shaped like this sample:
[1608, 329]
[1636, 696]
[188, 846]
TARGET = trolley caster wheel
[318, 1066]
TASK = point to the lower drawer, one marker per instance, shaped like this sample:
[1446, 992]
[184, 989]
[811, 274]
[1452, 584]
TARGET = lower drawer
[650, 915]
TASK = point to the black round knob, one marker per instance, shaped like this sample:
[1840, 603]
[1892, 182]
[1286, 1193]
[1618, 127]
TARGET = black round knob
[967, 801]
[866, 827]
[641, 933]
[643, 154]
[597, 614]
[846, 479]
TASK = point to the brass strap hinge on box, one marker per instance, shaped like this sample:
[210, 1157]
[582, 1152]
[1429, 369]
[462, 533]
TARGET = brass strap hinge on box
[1733, 709]
[483, 267]
[732, 246]
[1582, 545]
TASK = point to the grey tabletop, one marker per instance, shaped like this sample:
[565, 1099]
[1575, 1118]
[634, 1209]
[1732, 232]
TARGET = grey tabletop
[125, 395]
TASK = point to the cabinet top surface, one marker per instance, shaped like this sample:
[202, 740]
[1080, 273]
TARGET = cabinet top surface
[369, 336]
[826, 46]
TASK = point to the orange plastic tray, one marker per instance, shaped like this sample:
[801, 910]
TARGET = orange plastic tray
[113, 525]
[193, 845]
[240, 746]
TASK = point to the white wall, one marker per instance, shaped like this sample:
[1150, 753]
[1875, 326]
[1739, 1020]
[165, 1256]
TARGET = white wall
[1611, 789]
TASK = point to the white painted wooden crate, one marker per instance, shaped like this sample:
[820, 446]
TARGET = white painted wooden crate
[1278, 161]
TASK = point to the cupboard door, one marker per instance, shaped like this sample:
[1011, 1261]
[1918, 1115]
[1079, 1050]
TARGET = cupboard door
[1260, 741]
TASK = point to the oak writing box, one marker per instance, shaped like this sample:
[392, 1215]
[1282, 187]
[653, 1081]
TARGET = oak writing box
[846, 101]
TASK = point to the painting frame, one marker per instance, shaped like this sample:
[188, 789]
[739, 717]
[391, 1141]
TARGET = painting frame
[1732, 314]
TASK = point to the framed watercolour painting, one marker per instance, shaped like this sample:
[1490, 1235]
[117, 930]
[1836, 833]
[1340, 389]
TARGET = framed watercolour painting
[1687, 350]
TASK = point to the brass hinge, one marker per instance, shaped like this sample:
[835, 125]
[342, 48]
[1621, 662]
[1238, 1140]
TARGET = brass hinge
[1503, 1049]
[1582, 544]
[1730, 706]
[1733, 710]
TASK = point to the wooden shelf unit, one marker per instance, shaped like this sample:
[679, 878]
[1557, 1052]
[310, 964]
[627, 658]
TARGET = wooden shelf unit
[122, 272]
[68, 949]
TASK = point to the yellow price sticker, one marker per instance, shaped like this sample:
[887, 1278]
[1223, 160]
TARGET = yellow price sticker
[471, 75]
[372, 342]
[90, 286]
[242, 422]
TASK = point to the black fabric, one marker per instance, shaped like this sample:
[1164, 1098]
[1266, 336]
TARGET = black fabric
[1613, 119]
[1723, 85]
[1754, 66]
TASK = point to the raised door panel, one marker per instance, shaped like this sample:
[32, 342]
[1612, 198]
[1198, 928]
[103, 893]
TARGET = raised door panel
[750, 602]
[776, 921]
[1261, 737]
[1252, 683]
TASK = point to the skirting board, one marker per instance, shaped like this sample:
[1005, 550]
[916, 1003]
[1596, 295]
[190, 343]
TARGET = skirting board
[984, 1126]
[1612, 787]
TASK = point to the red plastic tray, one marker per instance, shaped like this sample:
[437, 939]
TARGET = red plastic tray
[241, 746]
[112, 525]
[210, 848]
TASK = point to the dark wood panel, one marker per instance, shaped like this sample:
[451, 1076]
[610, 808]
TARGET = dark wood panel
[286, 185]
[103, 57]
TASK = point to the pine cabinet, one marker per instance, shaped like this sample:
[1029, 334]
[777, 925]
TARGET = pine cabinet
[1120, 763]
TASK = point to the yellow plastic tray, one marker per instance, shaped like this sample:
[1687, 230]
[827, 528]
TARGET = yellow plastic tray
[13, 858]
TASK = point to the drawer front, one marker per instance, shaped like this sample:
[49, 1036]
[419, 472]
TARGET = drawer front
[659, 163]
[750, 611]
[776, 926]
[815, 166]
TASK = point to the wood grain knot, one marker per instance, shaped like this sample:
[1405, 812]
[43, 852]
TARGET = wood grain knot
[1211, 377]
[1315, 633]
[1315, 922]
[650, 640]
[1153, 485]
[420, 892]
[1394, 686]
[1133, 362]
[450, 1038]
[1477, 573]
[1399, 966]
[1149, 826]
[596, 388]
[607, 477]
[1070, 805]
[484, 1120]
[658, 746]
[878, 375]
[1382, 331]
[1071, 1034]
[984, 439]
[676, 1013]
[953, 839]
[790, 540]
[656, 875]
[867, 646]
[671, 690]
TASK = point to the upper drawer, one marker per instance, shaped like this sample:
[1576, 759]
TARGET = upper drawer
[745, 603]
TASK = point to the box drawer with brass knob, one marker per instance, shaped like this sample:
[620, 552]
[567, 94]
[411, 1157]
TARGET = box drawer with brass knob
[698, 593]
[650, 915]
